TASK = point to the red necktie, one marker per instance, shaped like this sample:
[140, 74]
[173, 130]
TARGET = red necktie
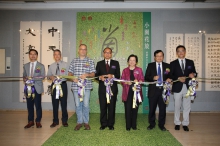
[107, 66]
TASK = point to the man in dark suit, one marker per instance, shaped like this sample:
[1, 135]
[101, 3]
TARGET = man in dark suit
[157, 71]
[109, 69]
[34, 69]
[181, 69]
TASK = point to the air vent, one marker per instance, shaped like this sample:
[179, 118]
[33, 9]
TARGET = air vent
[114, 0]
[37, 1]
[195, 0]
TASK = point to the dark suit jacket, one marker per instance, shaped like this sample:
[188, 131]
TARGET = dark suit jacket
[176, 72]
[151, 72]
[114, 70]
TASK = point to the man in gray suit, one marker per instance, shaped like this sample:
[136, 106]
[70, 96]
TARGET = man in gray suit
[36, 71]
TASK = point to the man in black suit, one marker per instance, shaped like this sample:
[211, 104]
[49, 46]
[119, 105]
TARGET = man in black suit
[157, 71]
[109, 69]
[181, 69]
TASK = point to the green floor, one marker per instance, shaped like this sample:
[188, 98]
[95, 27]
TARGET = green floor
[118, 137]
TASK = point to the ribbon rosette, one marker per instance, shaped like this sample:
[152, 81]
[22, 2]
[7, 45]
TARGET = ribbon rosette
[56, 84]
[81, 84]
[108, 83]
[29, 88]
[167, 71]
[166, 92]
[192, 89]
[136, 97]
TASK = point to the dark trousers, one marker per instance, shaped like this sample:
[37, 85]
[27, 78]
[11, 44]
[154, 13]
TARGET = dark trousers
[130, 113]
[63, 101]
[153, 102]
[107, 114]
[30, 106]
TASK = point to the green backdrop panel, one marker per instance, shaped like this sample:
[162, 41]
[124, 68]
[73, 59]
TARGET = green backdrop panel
[124, 32]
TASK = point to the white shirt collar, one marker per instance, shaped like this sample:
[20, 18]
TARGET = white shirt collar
[182, 59]
[109, 60]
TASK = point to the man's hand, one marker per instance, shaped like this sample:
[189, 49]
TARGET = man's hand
[182, 79]
[102, 77]
[169, 80]
[83, 76]
[75, 80]
[191, 75]
[110, 76]
[156, 78]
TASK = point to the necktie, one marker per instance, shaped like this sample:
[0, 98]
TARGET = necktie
[32, 69]
[159, 74]
[58, 69]
[107, 66]
[182, 65]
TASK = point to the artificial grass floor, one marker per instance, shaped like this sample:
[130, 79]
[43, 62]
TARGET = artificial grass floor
[66, 136]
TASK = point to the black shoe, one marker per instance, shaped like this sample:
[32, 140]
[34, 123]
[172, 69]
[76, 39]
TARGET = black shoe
[65, 124]
[134, 128]
[177, 127]
[128, 129]
[150, 127]
[185, 128]
[162, 128]
[111, 128]
[53, 125]
[102, 127]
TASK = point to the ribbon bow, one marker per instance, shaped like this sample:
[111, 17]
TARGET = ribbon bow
[108, 83]
[29, 88]
[56, 84]
[81, 84]
[136, 97]
[192, 89]
[166, 92]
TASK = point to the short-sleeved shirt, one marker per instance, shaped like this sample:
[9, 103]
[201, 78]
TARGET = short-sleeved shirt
[81, 66]
[63, 70]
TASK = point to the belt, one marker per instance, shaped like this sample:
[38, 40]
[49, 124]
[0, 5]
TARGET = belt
[159, 87]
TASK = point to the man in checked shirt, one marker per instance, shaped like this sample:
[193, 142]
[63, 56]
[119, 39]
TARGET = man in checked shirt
[82, 67]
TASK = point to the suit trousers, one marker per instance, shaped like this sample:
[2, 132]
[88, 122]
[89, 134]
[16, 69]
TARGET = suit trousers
[179, 98]
[30, 106]
[130, 113]
[153, 102]
[107, 114]
[63, 101]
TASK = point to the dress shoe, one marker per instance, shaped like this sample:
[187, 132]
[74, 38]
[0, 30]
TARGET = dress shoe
[185, 128]
[65, 124]
[177, 127]
[38, 125]
[53, 125]
[134, 128]
[128, 129]
[150, 127]
[30, 124]
[78, 126]
[87, 127]
[111, 128]
[102, 127]
[162, 128]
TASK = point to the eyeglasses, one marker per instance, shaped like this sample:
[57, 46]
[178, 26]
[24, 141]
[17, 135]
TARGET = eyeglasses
[107, 52]
[181, 51]
[83, 49]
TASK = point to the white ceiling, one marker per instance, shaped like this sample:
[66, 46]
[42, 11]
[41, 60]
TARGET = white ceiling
[100, 4]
